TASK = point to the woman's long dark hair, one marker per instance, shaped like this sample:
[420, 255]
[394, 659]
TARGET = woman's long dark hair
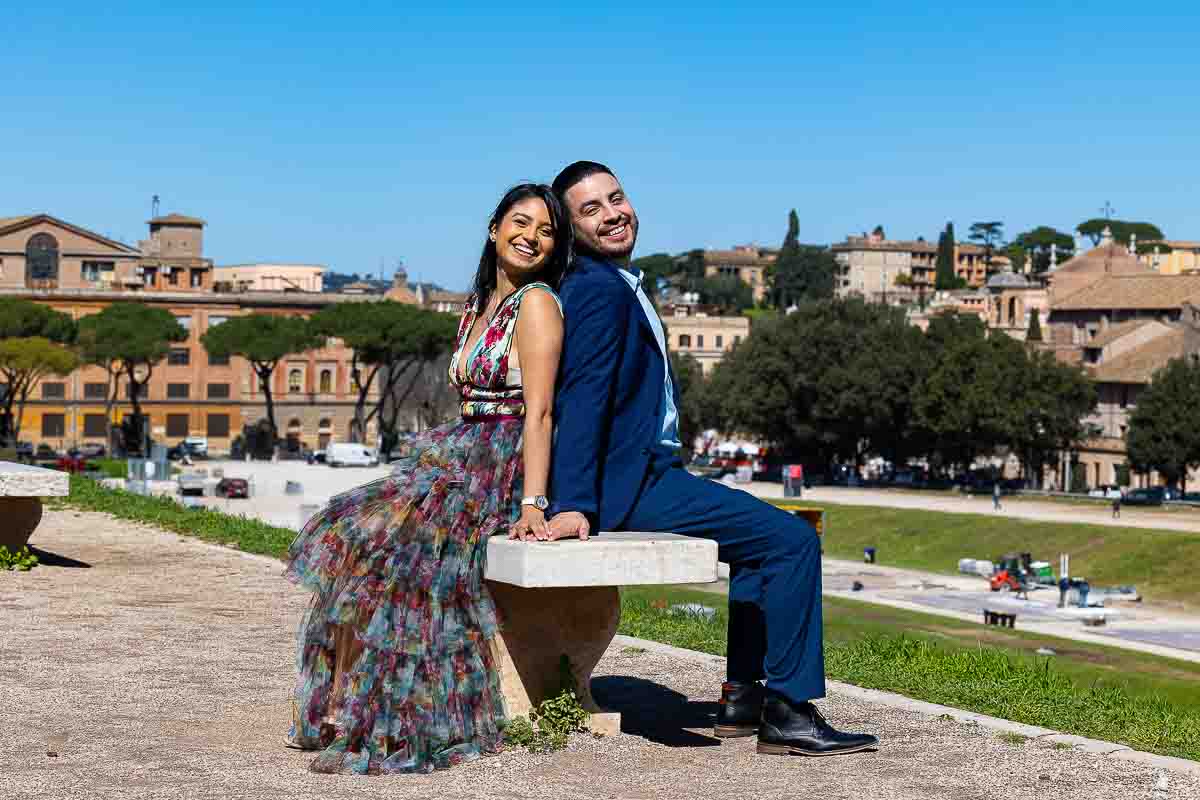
[564, 240]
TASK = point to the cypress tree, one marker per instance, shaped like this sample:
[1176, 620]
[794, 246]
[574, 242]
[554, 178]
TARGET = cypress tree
[1035, 327]
[944, 277]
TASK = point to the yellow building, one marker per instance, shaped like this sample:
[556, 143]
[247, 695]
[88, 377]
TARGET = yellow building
[1172, 257]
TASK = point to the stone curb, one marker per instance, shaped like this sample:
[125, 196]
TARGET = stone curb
[1108, 749]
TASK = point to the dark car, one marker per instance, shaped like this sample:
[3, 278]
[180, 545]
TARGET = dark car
[1154, 496]
[233, 487]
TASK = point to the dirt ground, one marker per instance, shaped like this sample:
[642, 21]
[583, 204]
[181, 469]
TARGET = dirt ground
[159, 667]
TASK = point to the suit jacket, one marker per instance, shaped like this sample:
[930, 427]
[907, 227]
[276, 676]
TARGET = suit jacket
[608, 398]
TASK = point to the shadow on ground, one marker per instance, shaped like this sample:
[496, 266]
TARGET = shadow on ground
[655, 712]
[47, 559]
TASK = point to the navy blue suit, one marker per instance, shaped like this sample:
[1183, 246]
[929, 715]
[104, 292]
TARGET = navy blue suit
[608, 464]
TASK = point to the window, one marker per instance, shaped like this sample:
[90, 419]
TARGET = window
[326, 381]
[143, 390]
[720, 342]
[197, 278]
[1124, 396]
[54, 391]
[185, 322]
[95, 425]
[700, 341]
[178, 357]
[218, 391]
[179, 391]
[54, 425]
[41, 258]
[214, 320]
[97, 271]
[148, 275]
[737, 339]
[295, 381]
[172, 277]
[218, 361]
[325, 424]
[95, 391]
[177, 425]
[218, 425]
[685, 340]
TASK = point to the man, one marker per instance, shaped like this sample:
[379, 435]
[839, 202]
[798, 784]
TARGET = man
[616, 466]
[996, 496]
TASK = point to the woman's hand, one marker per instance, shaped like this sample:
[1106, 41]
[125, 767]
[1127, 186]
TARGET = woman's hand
[531, 526]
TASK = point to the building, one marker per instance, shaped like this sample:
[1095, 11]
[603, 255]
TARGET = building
[698, 331]
[1107, 259]
[1172, 257]
[1014, 297]
[269, 277]
[959, 301]
[54, 262]
[746, 262]
[894, 270]
[425, 295]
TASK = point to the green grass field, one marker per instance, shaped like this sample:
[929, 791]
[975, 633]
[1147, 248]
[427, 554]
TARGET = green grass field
[1164, 565]
[1151, 703]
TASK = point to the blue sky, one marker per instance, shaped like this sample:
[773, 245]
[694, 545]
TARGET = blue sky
[348, 133]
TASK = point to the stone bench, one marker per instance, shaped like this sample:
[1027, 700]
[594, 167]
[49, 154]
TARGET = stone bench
[22, 488]
[560, 598]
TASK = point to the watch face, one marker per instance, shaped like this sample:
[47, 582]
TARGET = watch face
[541, 503]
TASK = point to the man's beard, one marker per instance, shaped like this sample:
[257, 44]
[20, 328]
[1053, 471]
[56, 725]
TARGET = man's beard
[583, 246]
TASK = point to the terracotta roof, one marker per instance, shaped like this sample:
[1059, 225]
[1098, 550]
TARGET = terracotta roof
[10, 223]
[176, 219]
[1111, 258]
[1145, 292]
[445, 296]
[6, 221]
[742, 257]
[1114, 332]
[1139, 364]
[889, 245]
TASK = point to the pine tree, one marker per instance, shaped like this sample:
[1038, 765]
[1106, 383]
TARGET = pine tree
[1035, 327]
[944, 276]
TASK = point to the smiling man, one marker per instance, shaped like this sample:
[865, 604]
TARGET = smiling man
[615, 465]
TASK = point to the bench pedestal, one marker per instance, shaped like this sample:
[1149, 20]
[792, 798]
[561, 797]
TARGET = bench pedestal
[20, 516]
[538, 628]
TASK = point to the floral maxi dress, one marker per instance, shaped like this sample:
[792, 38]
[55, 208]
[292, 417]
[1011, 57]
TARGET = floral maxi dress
[399, 609]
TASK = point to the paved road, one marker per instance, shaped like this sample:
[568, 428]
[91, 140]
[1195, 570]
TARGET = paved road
[1177, 519]
[158, 667]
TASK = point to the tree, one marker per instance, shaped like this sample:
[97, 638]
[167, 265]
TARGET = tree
[689, 384]
[23, 362]
[729, 292]
[1164, 429]
[1038, 243]
[96, 350]
[990, 235]
[657, 270]
[263, 340]
[1121, 230]
[23, 319]
[389, 337]
[430, 340]
[800, 272]
[1050, 401]
[1035, 327]
[945, 276]
[136, 336]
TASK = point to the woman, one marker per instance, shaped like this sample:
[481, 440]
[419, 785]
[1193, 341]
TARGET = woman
[396, 668]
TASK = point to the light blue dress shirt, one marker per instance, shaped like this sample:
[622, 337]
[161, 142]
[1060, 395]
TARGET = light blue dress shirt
[670, 414]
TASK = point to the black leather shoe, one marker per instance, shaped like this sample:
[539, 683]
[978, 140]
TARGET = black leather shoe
[740, 710]
[800, 730]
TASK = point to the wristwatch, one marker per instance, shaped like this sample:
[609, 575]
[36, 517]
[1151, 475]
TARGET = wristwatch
[537, 501]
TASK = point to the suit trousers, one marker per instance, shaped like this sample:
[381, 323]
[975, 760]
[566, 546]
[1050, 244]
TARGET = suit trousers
[775, 629]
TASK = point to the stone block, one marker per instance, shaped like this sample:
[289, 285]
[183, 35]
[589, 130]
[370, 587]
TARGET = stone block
[619, 558]
[21, 488]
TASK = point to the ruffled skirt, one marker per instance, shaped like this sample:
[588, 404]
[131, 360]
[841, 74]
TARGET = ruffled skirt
[400, 611]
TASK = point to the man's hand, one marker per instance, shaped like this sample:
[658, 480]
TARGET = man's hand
[568, 524]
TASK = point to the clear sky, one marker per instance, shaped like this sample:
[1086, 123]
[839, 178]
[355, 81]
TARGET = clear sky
[346, 133]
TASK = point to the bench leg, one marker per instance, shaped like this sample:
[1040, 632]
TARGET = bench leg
[21, 515]
[538, 627]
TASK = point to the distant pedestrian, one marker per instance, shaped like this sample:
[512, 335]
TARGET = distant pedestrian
[996, 496]
[1117, 507]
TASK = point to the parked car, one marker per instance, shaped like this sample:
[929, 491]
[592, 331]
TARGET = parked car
[1154, 496]
[45, 452]
[93, 450]
[24, 451]
[1107, 491]
[198, 445]
[349, 454]
[233, 487]
[316, 457]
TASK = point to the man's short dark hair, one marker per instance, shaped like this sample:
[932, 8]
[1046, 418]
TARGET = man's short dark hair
[574, 173]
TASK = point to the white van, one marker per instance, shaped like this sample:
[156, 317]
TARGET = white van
[349, 454]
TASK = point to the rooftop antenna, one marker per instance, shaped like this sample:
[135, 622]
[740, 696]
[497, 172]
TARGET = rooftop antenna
[153, 206]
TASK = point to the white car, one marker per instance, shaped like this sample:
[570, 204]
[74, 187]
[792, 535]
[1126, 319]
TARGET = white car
[1108, 492]
[198, 445]
[349, 454]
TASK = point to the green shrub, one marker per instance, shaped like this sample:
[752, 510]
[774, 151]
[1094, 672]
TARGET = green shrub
[21, 561]
[548, 727]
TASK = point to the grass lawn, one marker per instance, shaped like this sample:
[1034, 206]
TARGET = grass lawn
[1162, 564]
[1148, 702]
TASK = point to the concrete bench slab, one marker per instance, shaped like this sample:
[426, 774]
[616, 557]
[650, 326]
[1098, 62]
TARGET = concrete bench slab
[21, 488]
[560, 599]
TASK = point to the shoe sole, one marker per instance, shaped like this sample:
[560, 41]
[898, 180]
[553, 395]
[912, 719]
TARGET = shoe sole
[734, 731]
[788, 750]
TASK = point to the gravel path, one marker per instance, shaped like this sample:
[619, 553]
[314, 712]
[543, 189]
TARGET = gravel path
[161, 668]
